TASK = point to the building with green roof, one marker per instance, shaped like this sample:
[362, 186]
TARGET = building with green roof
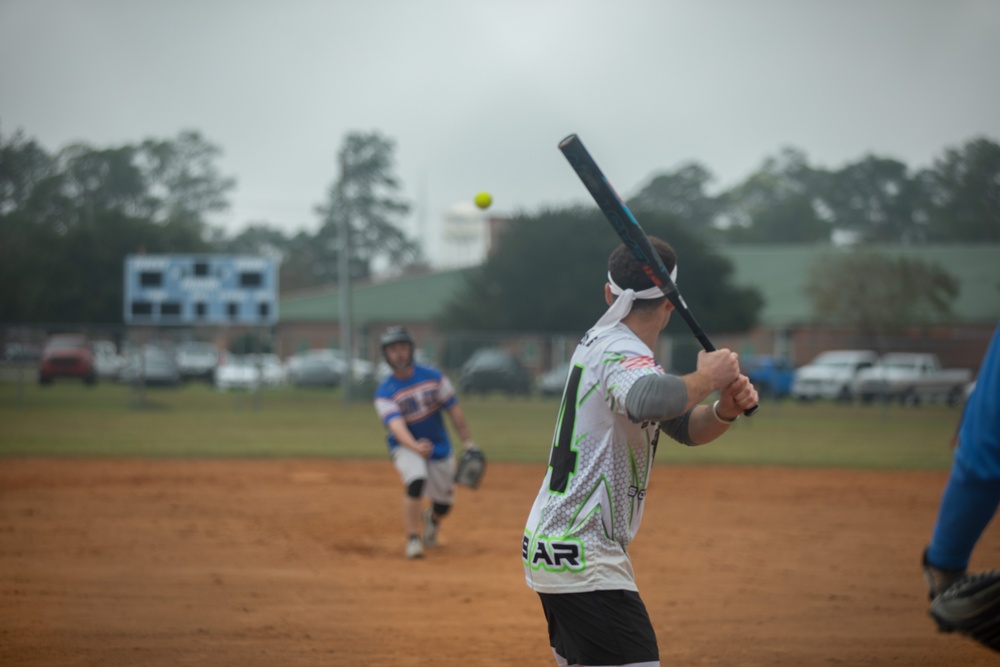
[787, 322]
[780, 273]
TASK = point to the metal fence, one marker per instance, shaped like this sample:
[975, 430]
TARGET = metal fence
[961, 347]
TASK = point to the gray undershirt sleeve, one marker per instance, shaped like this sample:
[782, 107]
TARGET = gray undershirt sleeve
[656, 398]
[677, 428]
[661, 398]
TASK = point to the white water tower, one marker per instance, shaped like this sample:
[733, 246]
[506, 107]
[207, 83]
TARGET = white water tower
[464, 232]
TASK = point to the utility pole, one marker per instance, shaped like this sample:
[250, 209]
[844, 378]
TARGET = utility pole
[344, 283]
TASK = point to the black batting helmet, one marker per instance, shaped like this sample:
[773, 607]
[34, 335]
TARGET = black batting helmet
[396, 335]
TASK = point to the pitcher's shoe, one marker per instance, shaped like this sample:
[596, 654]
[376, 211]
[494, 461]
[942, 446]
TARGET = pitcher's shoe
[414, 548]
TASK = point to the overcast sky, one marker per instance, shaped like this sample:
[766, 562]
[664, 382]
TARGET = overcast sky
[476, 94]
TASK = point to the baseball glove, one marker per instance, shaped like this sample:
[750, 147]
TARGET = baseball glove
[971, 606]
[471, 467]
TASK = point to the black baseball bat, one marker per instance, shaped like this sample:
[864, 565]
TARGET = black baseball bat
[630, 232]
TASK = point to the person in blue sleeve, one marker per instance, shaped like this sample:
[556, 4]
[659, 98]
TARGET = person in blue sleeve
[411, 402]
[969, 604]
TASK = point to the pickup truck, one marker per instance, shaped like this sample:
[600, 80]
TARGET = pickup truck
[831, 374]
[911, 378]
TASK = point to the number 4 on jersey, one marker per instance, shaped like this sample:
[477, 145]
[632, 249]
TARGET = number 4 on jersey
[562, 460]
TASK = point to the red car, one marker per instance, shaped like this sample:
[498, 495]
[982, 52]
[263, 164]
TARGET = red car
[67, 355]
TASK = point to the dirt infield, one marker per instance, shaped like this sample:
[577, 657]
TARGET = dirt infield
[299, 562]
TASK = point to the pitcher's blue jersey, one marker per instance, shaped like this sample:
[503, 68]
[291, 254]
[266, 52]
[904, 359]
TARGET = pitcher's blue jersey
[419, 399]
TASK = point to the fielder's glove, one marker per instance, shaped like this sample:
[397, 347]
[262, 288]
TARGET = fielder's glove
[971, 606]
[471, 467]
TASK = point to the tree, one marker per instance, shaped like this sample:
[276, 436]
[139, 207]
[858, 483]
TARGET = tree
[876, 199]
[366, 194]
[547, 275]
[303, 263]
[791, 219]
[182, 175]
[23, 165]
[681, 194]
[255, 239]
[777, 203]
[99, 182]
[878, 294]
[366, 197]
[68, 221]
[963, 194]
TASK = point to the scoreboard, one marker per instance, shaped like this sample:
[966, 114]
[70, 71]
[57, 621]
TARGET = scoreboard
[200, 289]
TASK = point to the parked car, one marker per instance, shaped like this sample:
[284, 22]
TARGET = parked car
[912, 378]
[17, 352]
[249, 371]
[107, 361]
[362, 370]
[151, 365]
[316, 368]
[494, 369]
[831, 374]
[237, 371]
[552, 382]
[273, 372]
[197, 360]
[67, 356]
[771, 375]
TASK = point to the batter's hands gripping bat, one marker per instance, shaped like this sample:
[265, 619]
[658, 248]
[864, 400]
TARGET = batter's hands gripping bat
[631, 233]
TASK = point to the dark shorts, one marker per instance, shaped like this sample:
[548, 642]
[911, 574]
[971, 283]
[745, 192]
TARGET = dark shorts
[600, 628]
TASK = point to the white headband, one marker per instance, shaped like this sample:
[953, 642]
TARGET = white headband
[623, 304]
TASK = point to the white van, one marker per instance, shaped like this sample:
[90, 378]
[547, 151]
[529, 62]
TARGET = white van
[831, 374]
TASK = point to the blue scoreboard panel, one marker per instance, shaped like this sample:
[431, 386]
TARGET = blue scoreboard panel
[200, 289]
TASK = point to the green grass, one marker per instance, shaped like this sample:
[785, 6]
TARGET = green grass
[68, 419]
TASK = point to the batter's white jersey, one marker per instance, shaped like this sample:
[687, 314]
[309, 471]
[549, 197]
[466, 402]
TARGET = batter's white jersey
[590, 504]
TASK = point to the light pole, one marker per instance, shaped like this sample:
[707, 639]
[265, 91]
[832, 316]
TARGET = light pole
[344, 283]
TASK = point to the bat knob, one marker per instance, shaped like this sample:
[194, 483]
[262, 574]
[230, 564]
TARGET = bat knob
[750, 412]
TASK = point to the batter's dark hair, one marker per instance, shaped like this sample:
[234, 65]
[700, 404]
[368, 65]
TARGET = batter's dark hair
[627, 272]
